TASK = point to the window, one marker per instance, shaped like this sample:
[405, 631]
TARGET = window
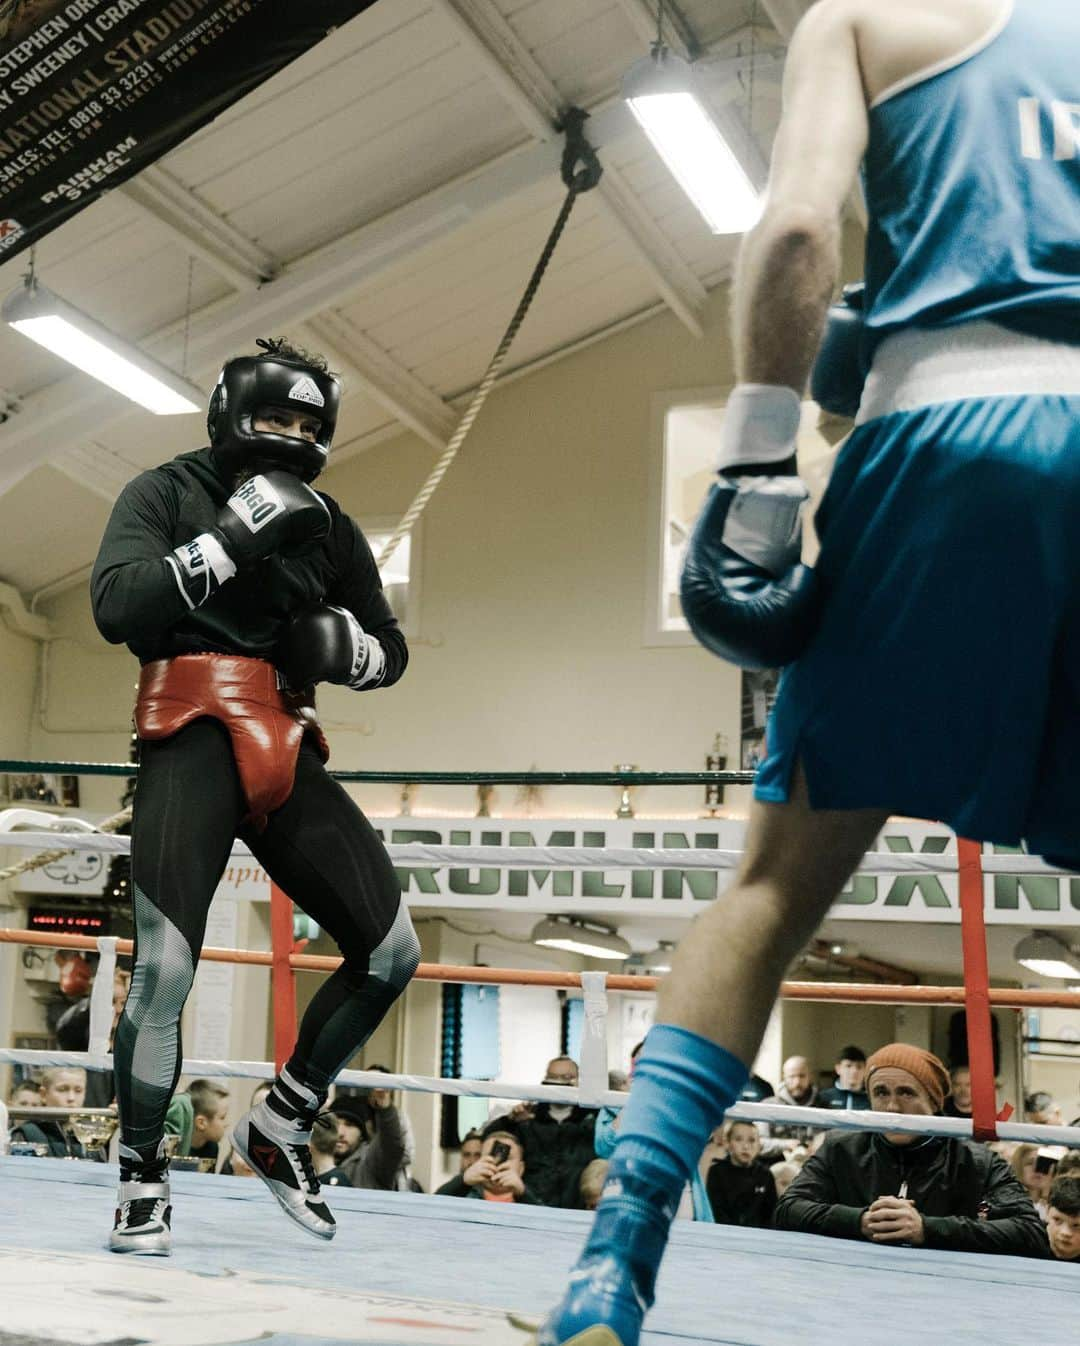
[686, 428]
[399, 575]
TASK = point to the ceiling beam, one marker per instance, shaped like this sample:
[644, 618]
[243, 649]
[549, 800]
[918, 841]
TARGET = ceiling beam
[203, 231]
[785, 14]
[247, 267]
[55, 419]
[96, 467]
[678, 34]
[389, 383]
[540, 106]
[60, 416]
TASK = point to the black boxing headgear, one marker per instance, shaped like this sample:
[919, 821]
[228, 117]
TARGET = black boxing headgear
[250, 383]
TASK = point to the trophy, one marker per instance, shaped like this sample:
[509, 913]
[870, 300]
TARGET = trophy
[626, 808]
[93, 1130]
[716, 760]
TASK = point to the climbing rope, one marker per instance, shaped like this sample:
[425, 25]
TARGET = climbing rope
[580, 170]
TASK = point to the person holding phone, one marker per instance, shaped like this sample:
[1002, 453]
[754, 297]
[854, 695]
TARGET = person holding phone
[498, 1175]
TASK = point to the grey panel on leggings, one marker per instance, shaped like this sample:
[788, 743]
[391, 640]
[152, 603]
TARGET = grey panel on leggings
[395, 958]
[390, 968]
[159, 986]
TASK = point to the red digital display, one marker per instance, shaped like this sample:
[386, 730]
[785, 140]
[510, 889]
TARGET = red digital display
[69, 922]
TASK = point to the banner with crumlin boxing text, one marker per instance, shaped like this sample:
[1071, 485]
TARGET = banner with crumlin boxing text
[92, 91]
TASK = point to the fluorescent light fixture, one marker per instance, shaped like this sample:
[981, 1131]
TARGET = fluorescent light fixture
[661, 91]
[1047, 955]
[584, 937]
[63, 329]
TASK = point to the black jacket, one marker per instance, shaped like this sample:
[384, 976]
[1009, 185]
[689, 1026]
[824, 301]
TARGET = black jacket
[556, 1153]
[137, 602]
[62, 1144]
[843, 1099]
[742, 1195]
[968, 1197]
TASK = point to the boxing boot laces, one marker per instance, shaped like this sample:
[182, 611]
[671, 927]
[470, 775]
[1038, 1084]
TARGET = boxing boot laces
[143, 1212]
[277, 1148]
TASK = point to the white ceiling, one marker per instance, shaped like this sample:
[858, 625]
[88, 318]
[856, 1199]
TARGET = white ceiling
[384, 198]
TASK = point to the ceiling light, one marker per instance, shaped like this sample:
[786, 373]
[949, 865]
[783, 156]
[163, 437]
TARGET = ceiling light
[584, 937]
[57, 325]
[1047, 955]
[659, 960]
[712, 169]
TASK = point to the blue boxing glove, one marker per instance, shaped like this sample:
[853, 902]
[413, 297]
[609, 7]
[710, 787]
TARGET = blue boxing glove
[328, 644]
[745, 592]
[839, 373]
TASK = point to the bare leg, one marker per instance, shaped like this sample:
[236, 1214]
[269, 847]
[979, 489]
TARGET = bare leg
[727, 971]
[711, 1015]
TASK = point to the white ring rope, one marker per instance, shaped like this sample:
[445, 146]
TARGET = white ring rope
[821, 1118]
[573, 857]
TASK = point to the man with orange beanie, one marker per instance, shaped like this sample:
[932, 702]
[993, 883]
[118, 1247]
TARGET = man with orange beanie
[904, 1188]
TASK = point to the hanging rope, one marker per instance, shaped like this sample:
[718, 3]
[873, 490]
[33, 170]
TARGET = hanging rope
[581, 170]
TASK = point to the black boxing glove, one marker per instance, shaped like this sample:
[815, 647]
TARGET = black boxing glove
[269, 514]
[328, 644]
[839, 374]
[745, 592]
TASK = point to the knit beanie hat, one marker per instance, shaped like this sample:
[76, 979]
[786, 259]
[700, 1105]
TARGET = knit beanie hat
[925, 1067]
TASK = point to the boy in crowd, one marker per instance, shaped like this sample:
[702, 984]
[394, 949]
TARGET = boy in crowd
[848, 1092]
[61, 1087]
[741, 1189]
[1063, 1219]
[199, 1117]
[25, 1094]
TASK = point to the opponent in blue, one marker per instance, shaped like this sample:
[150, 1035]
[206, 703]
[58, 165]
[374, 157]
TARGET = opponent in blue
[933, 650]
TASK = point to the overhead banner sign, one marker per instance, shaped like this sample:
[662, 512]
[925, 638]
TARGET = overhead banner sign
[92, 91]
[909, 876]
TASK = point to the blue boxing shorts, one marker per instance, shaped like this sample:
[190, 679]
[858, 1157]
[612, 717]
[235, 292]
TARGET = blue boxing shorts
[944, 680]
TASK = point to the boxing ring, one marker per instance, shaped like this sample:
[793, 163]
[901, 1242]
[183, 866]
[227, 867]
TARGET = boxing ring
[413, 1268]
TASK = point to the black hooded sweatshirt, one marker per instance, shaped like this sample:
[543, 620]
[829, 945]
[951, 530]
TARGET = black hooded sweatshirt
[137, 601]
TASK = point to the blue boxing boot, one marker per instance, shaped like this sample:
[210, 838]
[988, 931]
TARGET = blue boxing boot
[683, 1084]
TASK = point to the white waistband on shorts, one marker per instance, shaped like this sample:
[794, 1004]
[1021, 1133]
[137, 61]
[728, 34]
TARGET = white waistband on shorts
[924, 366]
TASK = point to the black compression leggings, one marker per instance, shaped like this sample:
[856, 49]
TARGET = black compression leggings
[318, 847]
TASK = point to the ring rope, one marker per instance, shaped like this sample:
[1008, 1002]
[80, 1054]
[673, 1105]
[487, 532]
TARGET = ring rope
[822, 1119]
[568, 857]
[855, 993]
[110, 825]
[19, 767]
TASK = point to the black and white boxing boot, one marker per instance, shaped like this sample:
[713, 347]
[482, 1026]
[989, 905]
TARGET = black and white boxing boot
[143, 1211]
[273, 1139]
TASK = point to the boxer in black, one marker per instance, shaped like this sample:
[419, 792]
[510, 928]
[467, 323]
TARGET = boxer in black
[239, 588]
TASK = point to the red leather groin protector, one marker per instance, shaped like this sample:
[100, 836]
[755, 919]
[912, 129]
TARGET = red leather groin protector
[265, 723]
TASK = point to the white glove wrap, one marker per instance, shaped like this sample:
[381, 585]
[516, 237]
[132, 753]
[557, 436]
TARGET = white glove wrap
[763, 524]
[200, 567]
[369, 657]
[761, 425]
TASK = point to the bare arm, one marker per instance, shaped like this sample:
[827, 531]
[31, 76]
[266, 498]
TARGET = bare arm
[789, 263]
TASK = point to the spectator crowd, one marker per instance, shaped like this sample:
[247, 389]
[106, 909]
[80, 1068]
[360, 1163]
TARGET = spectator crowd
[894, 1187]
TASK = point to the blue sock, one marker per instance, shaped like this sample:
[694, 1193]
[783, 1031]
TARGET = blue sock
[683, 1084]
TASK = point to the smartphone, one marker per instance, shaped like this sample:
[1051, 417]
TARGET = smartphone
[1046, 1158]
[500, 1152]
